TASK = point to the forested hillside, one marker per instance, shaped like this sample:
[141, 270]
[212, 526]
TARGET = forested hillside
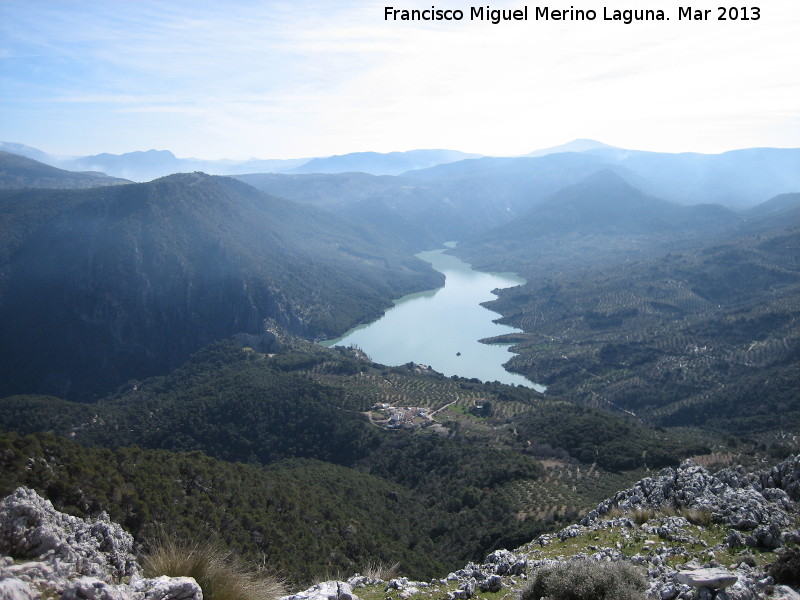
[693, 322]
[141, 275]
[430, 495]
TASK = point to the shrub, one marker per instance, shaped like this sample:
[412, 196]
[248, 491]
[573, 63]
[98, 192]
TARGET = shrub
[219, 574]
[586, 580]
[786, 569]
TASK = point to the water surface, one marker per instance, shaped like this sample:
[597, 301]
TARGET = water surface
[441, 328]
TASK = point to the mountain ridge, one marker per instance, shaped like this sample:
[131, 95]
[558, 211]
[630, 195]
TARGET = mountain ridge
[156, 270]
[19, 172]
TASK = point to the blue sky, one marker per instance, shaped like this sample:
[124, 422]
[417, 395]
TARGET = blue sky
[274, 79]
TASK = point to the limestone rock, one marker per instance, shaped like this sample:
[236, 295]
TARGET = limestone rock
[91, 588]
[760, 503]
[327, 590]
[72, 558]
[16, 589]
[493, 583]
[170, 588]
[784, 592]
[716, 579]
[30, 527]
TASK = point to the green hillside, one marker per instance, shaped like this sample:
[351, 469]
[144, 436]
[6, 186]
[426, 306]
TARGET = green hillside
[493, 468]
[700, 331]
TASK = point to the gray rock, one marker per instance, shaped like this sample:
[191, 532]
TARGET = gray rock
[716, 579]
[467, 590]
[494, 583]
[784, 592]
[668, 592]
[30, 527]
[91, 588]
[327, 590]
[72, 558]
[173, 588]
[761, 503]
[503, 562]
[741, 590]
[16, 589]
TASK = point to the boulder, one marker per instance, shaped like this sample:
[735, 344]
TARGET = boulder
[713, 578]
[327, 590]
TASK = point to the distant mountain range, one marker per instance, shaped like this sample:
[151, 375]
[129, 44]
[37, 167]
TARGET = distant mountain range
[147, 273]
[579, 145]
[393, 163]
[737, 179]
[145, 166]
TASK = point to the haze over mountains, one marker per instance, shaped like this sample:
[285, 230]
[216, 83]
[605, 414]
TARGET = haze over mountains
[146, 273]
[739, 178]
[18, 171]
[144, 166]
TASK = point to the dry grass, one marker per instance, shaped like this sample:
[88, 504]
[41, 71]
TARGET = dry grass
[641, 515]
[697, 516]
[220, 575]
[382, 571]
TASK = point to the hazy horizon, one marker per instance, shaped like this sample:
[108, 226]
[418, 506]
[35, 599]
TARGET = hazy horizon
[302, 79]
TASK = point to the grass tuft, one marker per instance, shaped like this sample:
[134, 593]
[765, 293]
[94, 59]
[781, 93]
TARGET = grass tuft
[697, 516]
[382, 571]
[220, 574]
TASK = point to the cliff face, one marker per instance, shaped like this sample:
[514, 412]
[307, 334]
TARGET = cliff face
[693, 534]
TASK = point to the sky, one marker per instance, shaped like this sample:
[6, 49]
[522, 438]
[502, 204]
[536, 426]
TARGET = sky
[273, 79]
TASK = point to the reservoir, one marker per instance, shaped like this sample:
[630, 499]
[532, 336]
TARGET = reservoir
[441, 328]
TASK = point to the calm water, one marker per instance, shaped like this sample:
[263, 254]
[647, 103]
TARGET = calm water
[433, 327]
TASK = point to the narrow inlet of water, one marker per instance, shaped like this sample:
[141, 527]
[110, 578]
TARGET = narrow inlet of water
[441, 328]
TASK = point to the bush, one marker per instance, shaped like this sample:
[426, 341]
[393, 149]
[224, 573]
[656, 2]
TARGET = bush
[586, 580]
[786, 569]
[219, 574]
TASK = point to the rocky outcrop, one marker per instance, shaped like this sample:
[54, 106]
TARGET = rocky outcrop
[757, 506]
[760, 509]
[51, 554]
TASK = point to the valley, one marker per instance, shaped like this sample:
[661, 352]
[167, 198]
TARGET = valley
[442, 327]
[160, 358]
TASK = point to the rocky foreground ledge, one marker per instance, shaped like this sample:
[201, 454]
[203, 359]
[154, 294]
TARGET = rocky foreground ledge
[696, 536]
[47, 554]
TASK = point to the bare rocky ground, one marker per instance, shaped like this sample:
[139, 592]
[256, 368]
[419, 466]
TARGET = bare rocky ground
[694, 534]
